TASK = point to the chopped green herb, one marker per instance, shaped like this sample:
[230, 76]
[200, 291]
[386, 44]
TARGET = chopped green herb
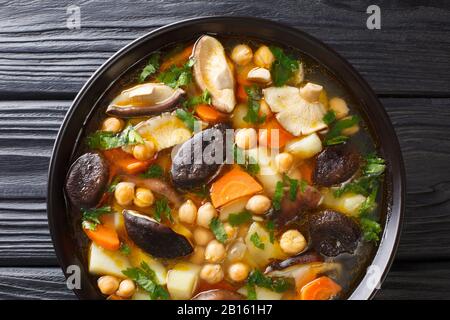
[104, 140]
[124, 249]
[151, 67]
[154, 171]
[162, 209]
[374, 166]
[236, 219]
[248, 163]
[187, 117]
[254, 95]
[145, 277]
[204, 98]
[334, 136]
[293, 187]
[270, 225]
[176, 77]
[278, 195]
[283, 68]
[113, 185]
[257, 278]
[371, 229]
[218, 229]
[329, 117]
[91, 217]
[256, 240]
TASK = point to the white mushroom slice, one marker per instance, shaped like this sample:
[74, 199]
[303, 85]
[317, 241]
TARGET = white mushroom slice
[311, 92]
[145, 100]
[294, 113]
[164, 131]
[261, 75]
[212, 73]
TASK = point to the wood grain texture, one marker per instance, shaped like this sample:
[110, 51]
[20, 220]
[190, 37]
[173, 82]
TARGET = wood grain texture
[28, 128]
[421, 280]
[40, 56]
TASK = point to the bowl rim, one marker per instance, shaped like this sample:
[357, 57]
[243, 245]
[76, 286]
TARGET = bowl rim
[387, 247]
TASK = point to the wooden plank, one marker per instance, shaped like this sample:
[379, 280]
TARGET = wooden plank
[27, 130]
[40, 57]
[418, 280]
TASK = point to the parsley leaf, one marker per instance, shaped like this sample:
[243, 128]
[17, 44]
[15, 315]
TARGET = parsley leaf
[217, 228]
[145, 277]
[151, 67]
[162, 208]
[248, 163]
[278, 195]
[204, 98]
[91, 217]
[270, 225]
[334, 135]
[254, 95]
[371, 229]
[374, 166]
[257, 278]
[329, 117]
[124, 249]
[176, 77]
[187, 117]
[283, 68]
[236, 219]
[113, 185]
[257, 241]
[154, 171]
[104, 140]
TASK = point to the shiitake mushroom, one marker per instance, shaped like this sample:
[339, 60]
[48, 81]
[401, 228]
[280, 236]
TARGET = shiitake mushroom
[333, 233]
[87, 180]
[196, 162]
[301, 258]
[336, 164]
[218, 294]
[155, 238]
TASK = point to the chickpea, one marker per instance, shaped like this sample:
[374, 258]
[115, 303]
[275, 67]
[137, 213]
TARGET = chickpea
[263, 57]
[292, 242]
[238, 271]
[283, 162]
[211, 273]
[246, 138]
[198, 256]
[215, 251]
[187, 212]
[126, 288]
[108, 284]
[143, 197]
[258, 204]
[242, 54]
[202, 236]
[339, 106]
[230, 231]
[144, 151]
[112, 124]
[205, 214]
[124, 193]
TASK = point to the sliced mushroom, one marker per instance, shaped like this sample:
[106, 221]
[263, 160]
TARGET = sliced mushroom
[87, 180]
[333, 233]
[294, 113]
[200, 159]
[336, 164]
[311, 92]
[145, 100]
[155, 238]
[302, 258]
[212, 73]
[218, 294]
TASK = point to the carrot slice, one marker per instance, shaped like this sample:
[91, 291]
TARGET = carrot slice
[241, 93]
[105, 237]
[208, 113]
[322, 288]
[178, 59]
[233, 185]
[268, 134]
[119, 160]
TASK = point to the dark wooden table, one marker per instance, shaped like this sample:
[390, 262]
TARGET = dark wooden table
[43, 64]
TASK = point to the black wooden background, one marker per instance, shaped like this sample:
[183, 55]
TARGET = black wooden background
[43, 64]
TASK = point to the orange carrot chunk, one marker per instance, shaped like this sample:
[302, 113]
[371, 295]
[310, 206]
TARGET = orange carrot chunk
[322, 288]
[104, 236]
[120, 161]
[178, 59]
[208, 113]
[241, 93]
[273, 135]
[233, 185]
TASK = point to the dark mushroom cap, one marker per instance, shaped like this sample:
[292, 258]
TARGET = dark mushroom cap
[87, 180]
[155, 238]
[197, 162]
[336, 164]
[302, 258]
[218, 294]
[333, 233]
